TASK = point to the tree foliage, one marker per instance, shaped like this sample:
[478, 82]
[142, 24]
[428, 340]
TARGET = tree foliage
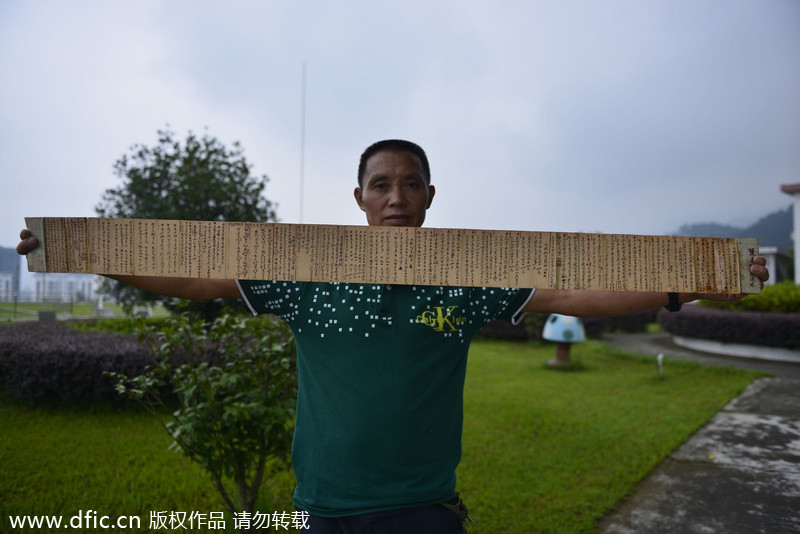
[197, 179]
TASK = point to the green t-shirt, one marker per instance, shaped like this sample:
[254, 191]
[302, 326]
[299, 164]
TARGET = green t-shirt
[381, 376]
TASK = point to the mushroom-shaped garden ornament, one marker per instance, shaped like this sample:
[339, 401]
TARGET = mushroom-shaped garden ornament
[564, 330]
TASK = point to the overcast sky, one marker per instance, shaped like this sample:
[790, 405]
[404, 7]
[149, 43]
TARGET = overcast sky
[594, 116]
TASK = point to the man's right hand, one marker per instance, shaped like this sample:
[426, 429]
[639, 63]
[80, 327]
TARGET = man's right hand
[27, 242]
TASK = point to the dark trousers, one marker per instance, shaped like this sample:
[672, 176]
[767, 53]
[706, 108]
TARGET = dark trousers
[434, 519]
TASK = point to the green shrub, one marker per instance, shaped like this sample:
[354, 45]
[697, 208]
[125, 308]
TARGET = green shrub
[236, 388]
[783, 297]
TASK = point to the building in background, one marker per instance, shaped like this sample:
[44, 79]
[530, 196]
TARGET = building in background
[794, 191]
[9, 274]
[64, 287]
[47, 287]
[779, 264]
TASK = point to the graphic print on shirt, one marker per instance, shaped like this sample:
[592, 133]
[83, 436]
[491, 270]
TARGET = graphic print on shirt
[331, 311]
[442, 318]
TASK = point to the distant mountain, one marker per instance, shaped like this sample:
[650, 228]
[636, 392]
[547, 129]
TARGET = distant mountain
[773, 230]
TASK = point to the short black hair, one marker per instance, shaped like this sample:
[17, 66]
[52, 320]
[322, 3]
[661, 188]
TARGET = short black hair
[394, 145]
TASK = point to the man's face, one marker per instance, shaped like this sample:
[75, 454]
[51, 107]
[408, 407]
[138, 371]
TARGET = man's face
[394, 190]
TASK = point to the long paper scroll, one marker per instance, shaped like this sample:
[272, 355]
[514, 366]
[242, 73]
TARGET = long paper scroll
[365, 254]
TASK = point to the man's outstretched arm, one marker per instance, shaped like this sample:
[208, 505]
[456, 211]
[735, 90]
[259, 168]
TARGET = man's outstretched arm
[610, 303]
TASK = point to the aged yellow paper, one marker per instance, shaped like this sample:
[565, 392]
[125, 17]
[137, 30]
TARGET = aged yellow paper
[364, 254]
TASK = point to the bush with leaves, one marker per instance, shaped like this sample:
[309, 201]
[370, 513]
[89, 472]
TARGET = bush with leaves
[236, 389]
[199, 179]
[782, 297]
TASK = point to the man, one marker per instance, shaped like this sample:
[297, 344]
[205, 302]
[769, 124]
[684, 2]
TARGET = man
[381, 368]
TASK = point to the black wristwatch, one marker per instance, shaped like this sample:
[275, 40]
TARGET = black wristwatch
[674, 304]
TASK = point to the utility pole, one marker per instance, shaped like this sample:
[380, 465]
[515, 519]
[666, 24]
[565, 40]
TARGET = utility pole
[302, 138]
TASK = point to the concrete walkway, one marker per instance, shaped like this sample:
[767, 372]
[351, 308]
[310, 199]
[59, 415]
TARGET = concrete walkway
[738, 474]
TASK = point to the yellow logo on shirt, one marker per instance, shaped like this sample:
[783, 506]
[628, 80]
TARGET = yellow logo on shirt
[441, 318]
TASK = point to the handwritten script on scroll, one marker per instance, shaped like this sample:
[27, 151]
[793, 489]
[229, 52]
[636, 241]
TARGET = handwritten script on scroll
[366, 254]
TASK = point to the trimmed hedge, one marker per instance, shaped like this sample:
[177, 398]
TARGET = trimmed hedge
[48, 363]
[530, 329]
[634, 322]
[750, 328]
[66, 363]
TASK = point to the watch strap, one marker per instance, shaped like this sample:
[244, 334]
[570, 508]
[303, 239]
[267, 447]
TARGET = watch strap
[674, 304]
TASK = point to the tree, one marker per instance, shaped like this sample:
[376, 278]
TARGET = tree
[200, 179]
[235, 384]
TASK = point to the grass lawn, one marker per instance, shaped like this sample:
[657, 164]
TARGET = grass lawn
[544, 451]
[19, 311]
[10, 311]
[64, 461]
[552, 451]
